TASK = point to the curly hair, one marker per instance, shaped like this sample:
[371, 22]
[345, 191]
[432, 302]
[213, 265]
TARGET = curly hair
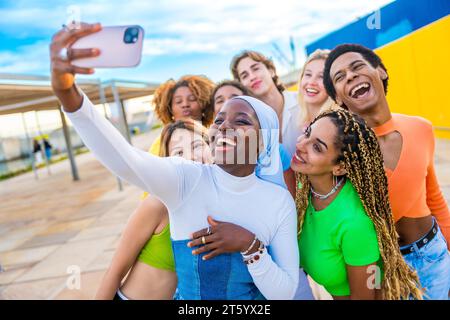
[368, 55]
[258, 57]
[363, 161]
[200, 86]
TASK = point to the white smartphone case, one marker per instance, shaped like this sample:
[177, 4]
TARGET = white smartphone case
[114, 51]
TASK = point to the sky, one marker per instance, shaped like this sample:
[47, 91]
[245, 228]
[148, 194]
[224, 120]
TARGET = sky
[181, 36]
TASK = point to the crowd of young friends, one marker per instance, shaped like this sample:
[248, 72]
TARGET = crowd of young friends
[339, 198]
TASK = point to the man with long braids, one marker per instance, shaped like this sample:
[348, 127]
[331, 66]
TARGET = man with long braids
[356, 79]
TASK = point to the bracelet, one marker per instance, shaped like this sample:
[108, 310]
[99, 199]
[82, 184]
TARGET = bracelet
[249, 248]
[254, 257]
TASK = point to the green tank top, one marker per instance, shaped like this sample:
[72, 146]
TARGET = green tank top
[157, 252]
[339, 235]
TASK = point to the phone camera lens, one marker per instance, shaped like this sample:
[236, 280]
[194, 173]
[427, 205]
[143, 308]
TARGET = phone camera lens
[131, 35]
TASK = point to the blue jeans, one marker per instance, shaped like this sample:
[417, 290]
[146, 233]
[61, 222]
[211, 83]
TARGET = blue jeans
[432, 263]
[224, 277]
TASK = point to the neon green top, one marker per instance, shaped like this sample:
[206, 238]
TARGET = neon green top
[157, 252]
[340, 234]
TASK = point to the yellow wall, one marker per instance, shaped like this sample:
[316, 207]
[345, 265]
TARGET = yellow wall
[419, 74]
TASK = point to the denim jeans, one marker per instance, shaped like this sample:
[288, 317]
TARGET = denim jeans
[432, 263]
[304, 290]
[224, 277]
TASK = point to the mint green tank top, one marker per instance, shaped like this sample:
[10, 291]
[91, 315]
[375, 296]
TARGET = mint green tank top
[158, 252]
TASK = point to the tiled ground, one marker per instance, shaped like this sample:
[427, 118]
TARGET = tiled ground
[53, 224]
[53, 227]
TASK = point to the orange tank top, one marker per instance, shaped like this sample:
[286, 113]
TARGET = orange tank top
[413, 186]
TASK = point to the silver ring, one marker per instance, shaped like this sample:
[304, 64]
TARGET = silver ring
[208, 231]
[63, 54]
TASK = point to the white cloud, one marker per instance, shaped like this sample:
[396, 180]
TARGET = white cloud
[27, 59]
[180, 27]
[219, 28]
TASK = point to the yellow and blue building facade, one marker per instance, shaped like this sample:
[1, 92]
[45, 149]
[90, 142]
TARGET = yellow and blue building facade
[413, 39]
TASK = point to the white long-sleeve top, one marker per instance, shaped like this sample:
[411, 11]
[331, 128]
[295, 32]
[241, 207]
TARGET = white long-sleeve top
[191, 191]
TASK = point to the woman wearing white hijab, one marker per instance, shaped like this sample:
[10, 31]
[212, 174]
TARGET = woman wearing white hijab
[230, 191]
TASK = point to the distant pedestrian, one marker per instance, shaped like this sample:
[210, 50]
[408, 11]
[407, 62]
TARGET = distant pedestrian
[37, 151]
[48, 149]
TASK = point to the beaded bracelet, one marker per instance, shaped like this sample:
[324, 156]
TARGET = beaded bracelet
[256, 255]
[249, 248]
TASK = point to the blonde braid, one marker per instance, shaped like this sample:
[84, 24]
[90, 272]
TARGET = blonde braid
[363, 162]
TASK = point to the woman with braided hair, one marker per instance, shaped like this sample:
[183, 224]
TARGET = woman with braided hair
[347, 237]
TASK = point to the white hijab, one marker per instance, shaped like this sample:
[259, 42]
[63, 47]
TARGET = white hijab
[268, 165]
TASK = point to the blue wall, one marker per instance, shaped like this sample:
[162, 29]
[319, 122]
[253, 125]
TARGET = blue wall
[398, 19]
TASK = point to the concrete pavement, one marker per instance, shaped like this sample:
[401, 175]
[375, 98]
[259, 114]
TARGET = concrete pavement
[54, 229]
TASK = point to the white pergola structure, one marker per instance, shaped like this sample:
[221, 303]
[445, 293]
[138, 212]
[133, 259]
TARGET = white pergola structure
[23, 93]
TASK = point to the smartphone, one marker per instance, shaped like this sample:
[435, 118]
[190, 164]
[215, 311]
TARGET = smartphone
[120, 46]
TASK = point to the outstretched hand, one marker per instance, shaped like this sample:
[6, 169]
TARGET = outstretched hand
[223, 237]
[62, 70]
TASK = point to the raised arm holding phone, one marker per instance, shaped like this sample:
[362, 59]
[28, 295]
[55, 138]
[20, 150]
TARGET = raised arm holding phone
[244, 194]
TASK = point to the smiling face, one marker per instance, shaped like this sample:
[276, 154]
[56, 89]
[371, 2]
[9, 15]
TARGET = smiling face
[185, 105]
[358, 85]
[311, 84]
[234, 134]
[190, 146]
[316, 151]
[255, 76]
[224, 94]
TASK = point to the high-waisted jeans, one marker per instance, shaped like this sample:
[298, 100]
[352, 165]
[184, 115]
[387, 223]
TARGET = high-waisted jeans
[224, 277]
[432, 263]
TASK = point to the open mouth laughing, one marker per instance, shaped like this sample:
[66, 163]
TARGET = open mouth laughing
[360, 90]
[224, 141]
[311, 92]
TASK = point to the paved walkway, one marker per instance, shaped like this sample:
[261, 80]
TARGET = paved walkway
[53, 227]
[43, 245]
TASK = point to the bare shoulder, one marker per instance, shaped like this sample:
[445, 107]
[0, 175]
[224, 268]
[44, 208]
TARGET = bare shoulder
[152, 202]
[415, 121]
